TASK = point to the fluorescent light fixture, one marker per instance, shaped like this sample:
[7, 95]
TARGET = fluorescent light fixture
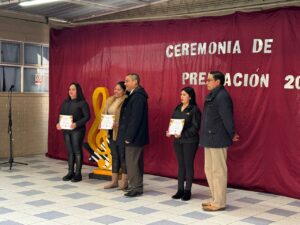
[37, 2]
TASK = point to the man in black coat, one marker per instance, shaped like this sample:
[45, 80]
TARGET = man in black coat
[216, 135]
[133, 132]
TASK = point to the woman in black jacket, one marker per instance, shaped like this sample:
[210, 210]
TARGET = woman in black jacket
[76, 106]
[186, 144]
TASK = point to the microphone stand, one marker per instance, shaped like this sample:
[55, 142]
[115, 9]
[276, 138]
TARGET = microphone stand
[9, 131]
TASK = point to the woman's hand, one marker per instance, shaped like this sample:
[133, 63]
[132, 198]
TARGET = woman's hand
[58, 126]
[168, 134]
[177, 135]
[73, 126]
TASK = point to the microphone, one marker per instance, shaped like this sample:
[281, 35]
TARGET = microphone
[12, 87]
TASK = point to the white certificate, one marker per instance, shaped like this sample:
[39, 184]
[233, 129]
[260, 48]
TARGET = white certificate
[65, 122]
[107, 122]
[176, 126]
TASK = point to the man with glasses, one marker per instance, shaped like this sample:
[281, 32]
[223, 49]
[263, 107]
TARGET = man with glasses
[216, 135]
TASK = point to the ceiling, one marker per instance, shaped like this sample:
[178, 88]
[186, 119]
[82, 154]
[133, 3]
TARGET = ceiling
[80, 12]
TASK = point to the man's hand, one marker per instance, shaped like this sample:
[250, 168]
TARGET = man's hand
[127, 142]
[236, 137]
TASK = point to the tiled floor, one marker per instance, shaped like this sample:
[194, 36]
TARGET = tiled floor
[35, 194]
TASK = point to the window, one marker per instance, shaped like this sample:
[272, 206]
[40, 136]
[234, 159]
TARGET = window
[36, 80]
[32, 54]
[10, 52]
[24, 66]
[45, 56]
[10, 77]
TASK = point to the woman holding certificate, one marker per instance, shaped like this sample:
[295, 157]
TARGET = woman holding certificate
[113, 108]
[74, 114]
[185, 125]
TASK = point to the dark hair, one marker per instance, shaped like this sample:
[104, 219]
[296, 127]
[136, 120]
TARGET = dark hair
[190, 91]
[80, 96]
[122, 85]
[217, 75]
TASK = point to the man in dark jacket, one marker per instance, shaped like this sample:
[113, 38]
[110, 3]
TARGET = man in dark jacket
[216, 135]
[133, 132]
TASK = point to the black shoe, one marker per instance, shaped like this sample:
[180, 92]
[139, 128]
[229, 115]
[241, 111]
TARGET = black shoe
[76, 178]
[127, 189]
[186, 196]
[133, 193]
[68, 177]
[178, 194]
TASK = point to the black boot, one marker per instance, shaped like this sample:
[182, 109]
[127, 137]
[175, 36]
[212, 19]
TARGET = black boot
[178, 194]
[70, 174]
[186, 195]
[77, 177]
[78, 161]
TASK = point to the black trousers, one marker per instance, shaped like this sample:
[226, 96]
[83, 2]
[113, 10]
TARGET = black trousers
[185, 154]
[118, 157]
[135, 167]
[73, 142]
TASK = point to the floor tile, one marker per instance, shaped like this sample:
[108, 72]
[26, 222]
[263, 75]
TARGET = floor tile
[165, 222]
[23, 184]
[295, 203]
[31, 192]
[4, 210]
[51, 215]
[9, 222]
[143, 210]
[249, 200]
[107, 219]
[90, 206]
[76, 195]
[198, 215]
[39, 203]
[173, 203]
[281, 212]
[257, 221]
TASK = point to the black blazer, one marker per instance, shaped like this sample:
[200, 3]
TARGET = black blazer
[217, 126]
[79, 110]
[192, 118]
[133, 123]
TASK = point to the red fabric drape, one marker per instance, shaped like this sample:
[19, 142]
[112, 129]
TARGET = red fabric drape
[267, 114]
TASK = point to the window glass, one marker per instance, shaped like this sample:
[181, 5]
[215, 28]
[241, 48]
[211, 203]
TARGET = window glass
[10, 77]
[36, 80]
[10, 52]
[32, 54]
[45, 56]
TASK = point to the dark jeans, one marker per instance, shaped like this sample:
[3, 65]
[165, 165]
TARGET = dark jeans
[185, 154]
[135, 167]
[73, 142]
[118, 157]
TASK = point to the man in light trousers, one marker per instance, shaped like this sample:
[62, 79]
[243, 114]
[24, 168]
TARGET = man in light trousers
[216, 135]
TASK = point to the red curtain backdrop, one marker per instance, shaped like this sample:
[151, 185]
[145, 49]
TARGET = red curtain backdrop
[263, 81]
